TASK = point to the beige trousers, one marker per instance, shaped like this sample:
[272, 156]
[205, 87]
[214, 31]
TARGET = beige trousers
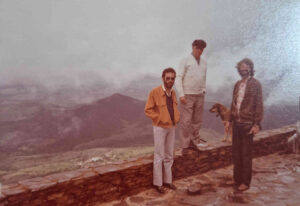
[164, 141]
[191, 119]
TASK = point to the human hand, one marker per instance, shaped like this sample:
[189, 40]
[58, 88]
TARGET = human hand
[182, 100]
[254, 130]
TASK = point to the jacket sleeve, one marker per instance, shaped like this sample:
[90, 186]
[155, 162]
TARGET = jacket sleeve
[150, 107]
[180, 73]
[259, 108]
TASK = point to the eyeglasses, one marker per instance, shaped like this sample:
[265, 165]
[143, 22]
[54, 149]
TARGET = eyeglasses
[170, 78]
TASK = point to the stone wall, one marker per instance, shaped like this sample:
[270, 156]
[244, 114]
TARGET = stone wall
[89, 186]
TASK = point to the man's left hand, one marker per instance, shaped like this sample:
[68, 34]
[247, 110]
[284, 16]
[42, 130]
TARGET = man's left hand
[254, 130]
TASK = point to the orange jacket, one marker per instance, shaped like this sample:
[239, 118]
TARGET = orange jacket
[156, 108]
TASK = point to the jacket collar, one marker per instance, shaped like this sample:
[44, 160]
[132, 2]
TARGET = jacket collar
[162, 92]
[165, 91]
[194, 58]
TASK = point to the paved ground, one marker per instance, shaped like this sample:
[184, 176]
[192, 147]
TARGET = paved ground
[275, 181]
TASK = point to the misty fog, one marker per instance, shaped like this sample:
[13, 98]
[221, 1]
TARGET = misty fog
[80, 44]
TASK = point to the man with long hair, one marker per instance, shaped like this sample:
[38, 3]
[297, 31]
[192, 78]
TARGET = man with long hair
[246, 116]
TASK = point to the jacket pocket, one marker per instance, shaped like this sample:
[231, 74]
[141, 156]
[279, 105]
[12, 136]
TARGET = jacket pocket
[164, 115]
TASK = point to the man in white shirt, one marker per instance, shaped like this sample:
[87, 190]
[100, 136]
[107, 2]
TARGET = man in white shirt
[190, 84]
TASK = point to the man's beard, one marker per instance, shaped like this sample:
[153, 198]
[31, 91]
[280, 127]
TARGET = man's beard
[168, 85]
[244, 74]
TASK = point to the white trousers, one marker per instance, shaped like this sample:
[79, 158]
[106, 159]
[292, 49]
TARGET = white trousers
[164, 141]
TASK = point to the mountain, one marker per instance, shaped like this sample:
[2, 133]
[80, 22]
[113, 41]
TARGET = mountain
[52, 129]
[114, 121]
[100, 121]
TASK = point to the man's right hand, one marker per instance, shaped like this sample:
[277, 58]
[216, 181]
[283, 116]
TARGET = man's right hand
[182, 100]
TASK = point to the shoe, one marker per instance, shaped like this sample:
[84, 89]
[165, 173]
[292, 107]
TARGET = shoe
[170, 186]
[230, 182]
[201, 145]
[243, 187]
[160, 189]
[192, 146]
[198, 139]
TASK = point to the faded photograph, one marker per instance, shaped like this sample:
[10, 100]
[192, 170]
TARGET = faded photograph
[89, 115]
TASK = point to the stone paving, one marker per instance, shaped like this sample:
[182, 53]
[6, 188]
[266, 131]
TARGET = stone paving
[275, 181]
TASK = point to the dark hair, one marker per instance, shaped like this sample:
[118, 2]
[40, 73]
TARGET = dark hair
[199, 43]
[167, 70]
[249, 62]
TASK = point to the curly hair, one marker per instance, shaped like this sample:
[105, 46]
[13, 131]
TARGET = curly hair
[248, 62]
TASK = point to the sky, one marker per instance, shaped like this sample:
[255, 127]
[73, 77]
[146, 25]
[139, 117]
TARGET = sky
[83, 42]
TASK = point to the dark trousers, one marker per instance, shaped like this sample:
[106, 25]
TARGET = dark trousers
[242, 143]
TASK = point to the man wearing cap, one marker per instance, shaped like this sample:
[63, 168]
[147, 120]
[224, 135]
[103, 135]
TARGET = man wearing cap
[161, 108]
[190, 84]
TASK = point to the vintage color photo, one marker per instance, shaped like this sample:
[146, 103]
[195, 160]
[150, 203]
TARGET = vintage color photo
[92, 83]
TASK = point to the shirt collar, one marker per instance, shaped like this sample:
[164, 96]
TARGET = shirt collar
[195, 57]
[169, 95]
[246, 80]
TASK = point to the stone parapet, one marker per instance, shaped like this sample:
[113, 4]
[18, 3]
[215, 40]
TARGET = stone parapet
[88, 186]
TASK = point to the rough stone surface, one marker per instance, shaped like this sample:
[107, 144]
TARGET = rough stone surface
[100, 184]
[274, 182]
[12, 190]
[36, 184]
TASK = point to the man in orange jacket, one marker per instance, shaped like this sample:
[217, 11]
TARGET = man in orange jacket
[161, 108]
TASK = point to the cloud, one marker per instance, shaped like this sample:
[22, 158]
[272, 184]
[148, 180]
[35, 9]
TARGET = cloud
[62, 42]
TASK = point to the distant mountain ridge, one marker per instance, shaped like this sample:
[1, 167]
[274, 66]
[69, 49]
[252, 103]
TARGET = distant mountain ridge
[114, 121]
[50, 129]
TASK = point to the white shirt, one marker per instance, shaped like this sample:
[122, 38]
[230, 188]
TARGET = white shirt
[241, 94]
[163, 86]
[191, 76]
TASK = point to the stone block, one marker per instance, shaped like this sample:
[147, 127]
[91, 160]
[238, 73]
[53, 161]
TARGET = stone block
[14, 189]
[37, 184]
